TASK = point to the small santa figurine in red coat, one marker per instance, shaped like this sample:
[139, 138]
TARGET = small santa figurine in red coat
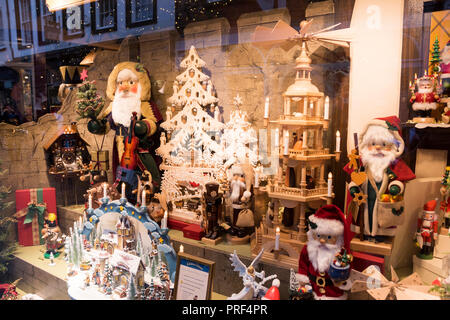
[328, 233]
[427, 230]
[425, 99]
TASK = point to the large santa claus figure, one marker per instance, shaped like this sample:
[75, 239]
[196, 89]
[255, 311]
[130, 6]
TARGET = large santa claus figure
[129, 91]
[384, 175]
[328, 233]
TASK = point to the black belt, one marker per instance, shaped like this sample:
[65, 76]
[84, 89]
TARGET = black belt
[320, 281]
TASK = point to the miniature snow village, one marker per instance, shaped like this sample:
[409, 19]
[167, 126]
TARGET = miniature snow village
[118, 252]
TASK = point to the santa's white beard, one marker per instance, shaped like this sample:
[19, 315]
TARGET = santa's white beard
[124, 106]
[376, 163]
[322, 255]
[236, 186]
[423, 90]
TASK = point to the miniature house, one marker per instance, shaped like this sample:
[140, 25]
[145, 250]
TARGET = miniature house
[124, 265]
[66, 151]
[300, 179]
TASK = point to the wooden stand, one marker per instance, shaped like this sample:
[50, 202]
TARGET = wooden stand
[237, 240]
[423, 120]
[211, 241]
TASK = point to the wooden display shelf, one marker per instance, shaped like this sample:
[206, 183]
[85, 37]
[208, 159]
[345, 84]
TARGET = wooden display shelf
[381, 248]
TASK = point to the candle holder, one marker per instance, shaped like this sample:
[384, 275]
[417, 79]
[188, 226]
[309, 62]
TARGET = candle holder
[105, 200]
[89, 211]
[276, 253]
[266, 122]
[337, 155]
[123, 201]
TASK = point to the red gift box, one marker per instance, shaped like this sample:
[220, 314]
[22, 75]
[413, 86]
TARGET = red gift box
[193, 231]
[30, 232]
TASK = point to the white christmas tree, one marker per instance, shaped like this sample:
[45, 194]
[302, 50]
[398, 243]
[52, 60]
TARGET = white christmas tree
[192, 83]
[239, 140]
[192, 154]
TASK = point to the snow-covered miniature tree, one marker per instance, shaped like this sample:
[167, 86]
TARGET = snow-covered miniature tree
[131, 292]
[192, 83]
[239, 139]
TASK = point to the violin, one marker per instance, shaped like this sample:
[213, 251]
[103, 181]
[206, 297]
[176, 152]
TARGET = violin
[129, 156]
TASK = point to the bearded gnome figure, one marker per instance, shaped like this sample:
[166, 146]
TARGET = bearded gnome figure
[445, 71]
[129, 91]
[328, 234]
[377, 180]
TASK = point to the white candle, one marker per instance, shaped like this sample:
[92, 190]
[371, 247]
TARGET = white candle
[256, 179]
[286, 143]
[181, 248]
[104, 190]
[164, 221]
[266, 109]
[330, 184]
[123, 189]
[277, 138]
[311, 107]
[90, 201]
[277, 239]
[338, 141]
[143, 197]
[326, 109]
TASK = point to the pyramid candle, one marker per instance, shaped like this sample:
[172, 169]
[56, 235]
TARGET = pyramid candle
[277, 239]
[266, 109]
[123, 190]
[338, 141]
[326, 109]
[330, 184]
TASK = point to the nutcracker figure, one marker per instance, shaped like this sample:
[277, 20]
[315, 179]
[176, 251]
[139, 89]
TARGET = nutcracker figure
[427, 226]
[52, 235]
[213, 209]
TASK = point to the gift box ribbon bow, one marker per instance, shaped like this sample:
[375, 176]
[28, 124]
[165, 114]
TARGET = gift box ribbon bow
[31, 210]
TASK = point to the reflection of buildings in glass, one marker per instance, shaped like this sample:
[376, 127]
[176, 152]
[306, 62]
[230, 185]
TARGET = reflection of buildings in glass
[24, 22]
[104, 15]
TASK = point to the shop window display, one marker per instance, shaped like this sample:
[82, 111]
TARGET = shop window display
[270, 132]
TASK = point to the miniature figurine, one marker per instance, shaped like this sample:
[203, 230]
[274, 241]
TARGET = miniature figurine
[425, 99]
[273, 293]
[427, 227]
[52, 235]
[87, 281]
[377, 180]
[240, 192]
[328, 233]
[252, 289]
[213, 210]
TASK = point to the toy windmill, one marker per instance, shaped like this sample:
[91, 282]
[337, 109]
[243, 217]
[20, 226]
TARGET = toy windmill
[283, 35]
[379, 288]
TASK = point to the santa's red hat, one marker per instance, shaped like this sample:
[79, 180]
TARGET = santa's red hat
[391, 123]
[430, 206]
[330, 220]
[273, 293]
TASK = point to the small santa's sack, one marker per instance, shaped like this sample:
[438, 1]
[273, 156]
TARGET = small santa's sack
[391, 214]
[245, 219]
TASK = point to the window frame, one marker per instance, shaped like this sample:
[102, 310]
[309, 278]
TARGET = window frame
[94, 28]
[42, 40]
[21, 44]
[131, 24]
